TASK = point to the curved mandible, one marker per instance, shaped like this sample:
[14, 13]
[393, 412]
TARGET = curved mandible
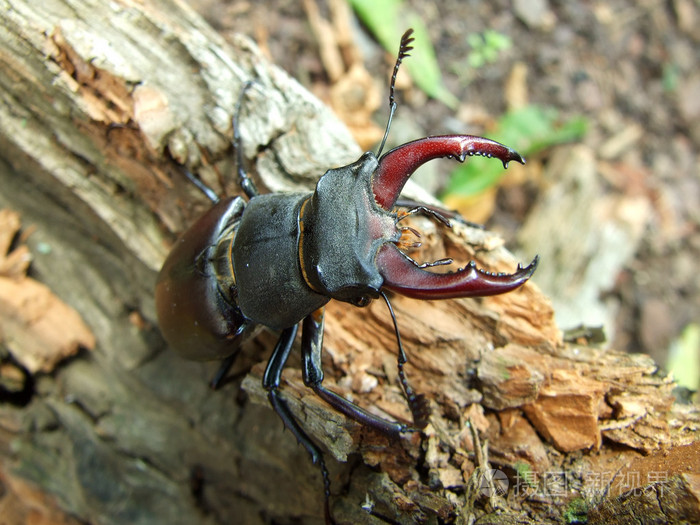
[402, 275]
[396, 166]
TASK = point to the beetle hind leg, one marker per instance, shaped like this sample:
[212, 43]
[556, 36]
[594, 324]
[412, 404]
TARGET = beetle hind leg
[271, 383]
[218, 379]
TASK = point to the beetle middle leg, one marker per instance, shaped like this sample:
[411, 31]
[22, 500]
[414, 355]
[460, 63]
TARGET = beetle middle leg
[311, 349]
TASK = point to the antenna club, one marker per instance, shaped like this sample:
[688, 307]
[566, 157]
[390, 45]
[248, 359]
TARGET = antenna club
[404, 48]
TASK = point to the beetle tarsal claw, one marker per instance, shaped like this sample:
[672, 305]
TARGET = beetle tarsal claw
[439, 262]
[420, 410]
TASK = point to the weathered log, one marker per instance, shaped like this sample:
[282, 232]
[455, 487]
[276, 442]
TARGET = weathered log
[101, 105]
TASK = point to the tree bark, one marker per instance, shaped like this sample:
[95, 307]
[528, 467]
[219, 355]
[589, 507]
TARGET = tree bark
[102, 106]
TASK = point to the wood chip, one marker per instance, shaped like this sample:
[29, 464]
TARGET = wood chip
[38, 328]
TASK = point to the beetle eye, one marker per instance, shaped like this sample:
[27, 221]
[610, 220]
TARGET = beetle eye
[356, 294]
[360, 301]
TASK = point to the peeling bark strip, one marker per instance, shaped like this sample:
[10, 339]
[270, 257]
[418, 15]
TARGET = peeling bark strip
[97, 99]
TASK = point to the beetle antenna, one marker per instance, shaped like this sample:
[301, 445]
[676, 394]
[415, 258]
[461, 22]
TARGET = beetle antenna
[404, 47]
[417, 403]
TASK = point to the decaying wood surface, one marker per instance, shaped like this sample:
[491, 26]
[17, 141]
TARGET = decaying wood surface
[101, 103]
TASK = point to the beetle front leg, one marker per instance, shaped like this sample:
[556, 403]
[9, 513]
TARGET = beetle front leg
[271, 383]
[311, 349]
[417, 403]
[244, 180]
[436, 212]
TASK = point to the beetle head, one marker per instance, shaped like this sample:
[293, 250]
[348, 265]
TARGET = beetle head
[348, 233]
[341, 229]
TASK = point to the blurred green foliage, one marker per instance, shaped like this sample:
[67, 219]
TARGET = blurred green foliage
[388, 20]
[684, 358]
[487, 47]
[529, 130]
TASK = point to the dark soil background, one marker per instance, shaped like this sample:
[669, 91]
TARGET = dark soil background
[629, 67]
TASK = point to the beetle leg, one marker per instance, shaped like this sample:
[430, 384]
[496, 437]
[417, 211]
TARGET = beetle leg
[311, 348]
[441, 214]
[271, 383]
[208, 192]
[396, 166]
[430, 211]
[403, 275]
[417, 403]
[223, 370]
[244, 180]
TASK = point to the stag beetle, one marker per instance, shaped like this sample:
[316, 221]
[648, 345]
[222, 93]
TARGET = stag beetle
[277, 259]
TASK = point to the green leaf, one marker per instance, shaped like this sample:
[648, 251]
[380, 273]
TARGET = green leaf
[375, 16]
[670, 77]
[684, 357]
[486, 47]
[496, 41]
[529, 130]
[388, 20]
[423, 65]
[476, 60]
[475, 40]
